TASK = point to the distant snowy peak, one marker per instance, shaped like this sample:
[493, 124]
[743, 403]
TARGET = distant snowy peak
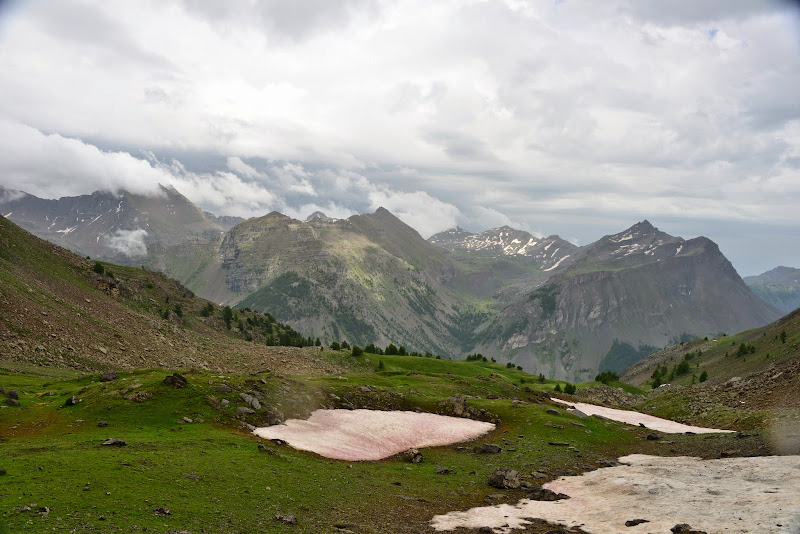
[640, 244]
[552, 251]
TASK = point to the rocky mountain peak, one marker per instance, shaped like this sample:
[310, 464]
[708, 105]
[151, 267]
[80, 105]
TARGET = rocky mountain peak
[319, 216]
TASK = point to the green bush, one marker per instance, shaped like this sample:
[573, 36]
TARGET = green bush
[357, 351]
[607, 376]
[98, 268]
[335, 346]
[703, 376]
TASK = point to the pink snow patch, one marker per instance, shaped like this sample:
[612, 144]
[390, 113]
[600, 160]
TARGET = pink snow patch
[356, 435]
[636, 418]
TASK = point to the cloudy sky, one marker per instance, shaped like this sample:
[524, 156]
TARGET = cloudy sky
[574, 117]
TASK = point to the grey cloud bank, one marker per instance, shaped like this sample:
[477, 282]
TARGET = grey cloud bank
[573, 117]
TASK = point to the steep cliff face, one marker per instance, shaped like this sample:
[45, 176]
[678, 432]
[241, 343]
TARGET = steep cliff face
[565, 327]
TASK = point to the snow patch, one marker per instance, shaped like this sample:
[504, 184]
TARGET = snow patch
[726, 495]
[556, 264]
[359, 435]
[635, 418]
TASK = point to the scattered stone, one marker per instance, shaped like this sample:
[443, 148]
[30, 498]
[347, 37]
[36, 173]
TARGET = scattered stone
[224, 388]
[558, 443]
[487, 448]
[12, 394]
[102, 518]
[2, 471]
[162, 512]
[411, 455]
[634, 522]
[730, 454]
[188, 420]
[542, 494]
[287, 519]
[12, 402]
[505, 478]
[72, 401]
[114, 442]
[486, 530]
[108, 376]
[565, 473]
[252, 401]
[442, 471]
[653, 436]
[193, 477]
[576, 413]
[684, 528]
[102, 424]
[243, 410]
[176, 381]
[553, 411]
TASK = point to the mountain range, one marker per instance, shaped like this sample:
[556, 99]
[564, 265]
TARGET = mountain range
[542, 303]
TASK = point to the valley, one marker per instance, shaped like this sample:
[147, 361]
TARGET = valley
[542, 303]
[128, 403]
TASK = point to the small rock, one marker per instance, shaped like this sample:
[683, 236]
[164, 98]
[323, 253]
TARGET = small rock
[486, 530]
[487, 448]
[193, 477]
[72, 401]
[245, 410]
[162, 512]
[2, 471]
[505, 478]
[565, 473]
[102, 518]
[12, 402]
[577, 413]
[12, 394]
[288, 519]
[252, 401]
[634, 522]
[683, 528]
[411, 455]
[224, 388]
[176, 381]
[442, 471]
[109, 376]
[542, 494]
[114, 442]
[558, 443]
[188, 420]
[652, 436]
[102, 424]
[553, 411]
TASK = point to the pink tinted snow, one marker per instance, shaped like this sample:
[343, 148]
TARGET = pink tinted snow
[356, 435]
[636, 418]
[743, 495]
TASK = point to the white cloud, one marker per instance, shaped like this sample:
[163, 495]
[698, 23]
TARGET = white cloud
[128, 242]
[561, 116]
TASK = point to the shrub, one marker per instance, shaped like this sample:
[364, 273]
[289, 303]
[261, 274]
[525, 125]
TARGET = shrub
[570, 388]
[783, 337]
[357, 351]
[541, 378]
[345, 345]
[607, 376]
[207, 310]
[227, 315]
[381, 367]
[703, 376]
[557, 388]
[178, 309]
[335, 346]
[98, 268]
[509, 365]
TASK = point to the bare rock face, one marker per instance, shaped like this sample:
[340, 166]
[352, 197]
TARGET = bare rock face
[109, 376]
[505, 478]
